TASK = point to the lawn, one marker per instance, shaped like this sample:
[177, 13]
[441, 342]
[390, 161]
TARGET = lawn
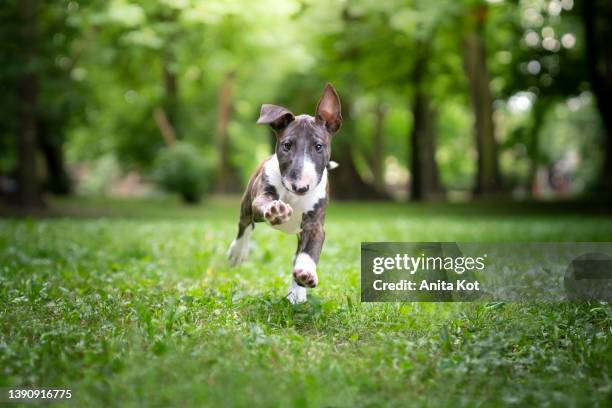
[133, 304]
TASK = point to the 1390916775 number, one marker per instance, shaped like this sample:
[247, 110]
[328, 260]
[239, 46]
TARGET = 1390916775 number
[34, 393]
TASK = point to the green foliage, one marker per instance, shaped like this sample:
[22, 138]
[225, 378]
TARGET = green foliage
[136, 42]
[145, 311]
[104, 67]
[185, 170]
[62, 91]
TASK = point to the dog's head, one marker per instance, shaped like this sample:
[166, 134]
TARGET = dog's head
[303, 143]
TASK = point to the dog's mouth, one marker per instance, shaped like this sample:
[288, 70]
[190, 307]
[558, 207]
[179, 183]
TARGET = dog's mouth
[289, 189]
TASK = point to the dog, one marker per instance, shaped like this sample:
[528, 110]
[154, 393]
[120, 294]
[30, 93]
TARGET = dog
[289, 190]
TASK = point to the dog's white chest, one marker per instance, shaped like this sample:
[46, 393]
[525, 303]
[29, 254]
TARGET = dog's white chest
[300, 204]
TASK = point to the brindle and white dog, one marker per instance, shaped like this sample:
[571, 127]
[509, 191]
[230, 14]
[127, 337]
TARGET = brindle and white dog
[289, 189]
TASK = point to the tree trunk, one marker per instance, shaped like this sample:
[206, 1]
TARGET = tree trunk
[28, 185]
[58, 181]
[424, 179]
[596, 16]
[170, 103]
[475, 60]
[345, 181]
[377, 160]
[539, 111]
[228, 179]
[165, 127]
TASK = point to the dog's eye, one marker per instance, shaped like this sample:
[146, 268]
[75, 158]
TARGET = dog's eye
[319, 147]
[287, 146]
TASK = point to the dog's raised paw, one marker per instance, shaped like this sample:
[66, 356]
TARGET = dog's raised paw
[278, 212]
[305, 278]
[305, 271]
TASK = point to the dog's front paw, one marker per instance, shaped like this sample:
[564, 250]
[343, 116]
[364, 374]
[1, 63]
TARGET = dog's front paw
[305, 271]
[306, 278]
[278, 212]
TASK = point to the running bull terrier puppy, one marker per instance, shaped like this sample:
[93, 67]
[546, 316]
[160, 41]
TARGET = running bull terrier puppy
[289, 190]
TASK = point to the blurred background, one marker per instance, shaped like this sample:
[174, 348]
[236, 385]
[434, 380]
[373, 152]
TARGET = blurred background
[442, 100]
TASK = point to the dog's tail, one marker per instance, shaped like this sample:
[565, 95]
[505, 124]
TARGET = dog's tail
[332, 165]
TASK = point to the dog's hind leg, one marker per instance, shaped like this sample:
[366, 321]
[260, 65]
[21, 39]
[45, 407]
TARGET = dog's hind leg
[239, 249]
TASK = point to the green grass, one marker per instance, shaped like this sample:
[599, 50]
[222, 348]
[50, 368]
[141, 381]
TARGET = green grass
[139, 308]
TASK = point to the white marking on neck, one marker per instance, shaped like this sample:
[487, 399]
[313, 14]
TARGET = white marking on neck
[300, 203]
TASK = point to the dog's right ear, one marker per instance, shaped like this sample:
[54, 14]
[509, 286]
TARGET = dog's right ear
[275, 116]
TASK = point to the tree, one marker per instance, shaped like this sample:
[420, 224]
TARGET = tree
[346, 181]
[380, 39]
[146, 34]
[228, 179]
[427, 32]
[424, 183]
[378, 149]
[28, 184]
[597, 16]
[475, 59]
[41, 93]
[51, 140]
[544, 62]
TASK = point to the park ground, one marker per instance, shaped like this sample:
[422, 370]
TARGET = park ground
[132, 303]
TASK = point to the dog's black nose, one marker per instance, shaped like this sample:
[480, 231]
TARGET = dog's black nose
[300, 190]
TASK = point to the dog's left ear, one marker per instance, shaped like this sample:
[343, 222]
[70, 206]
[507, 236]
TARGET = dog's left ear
[328, 109]
[275, 116]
